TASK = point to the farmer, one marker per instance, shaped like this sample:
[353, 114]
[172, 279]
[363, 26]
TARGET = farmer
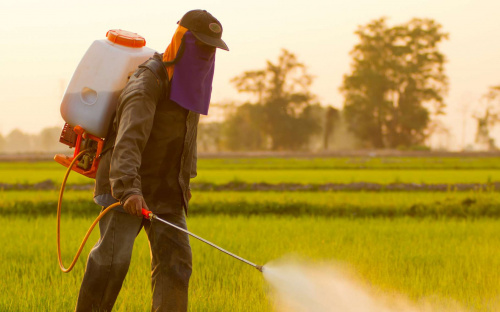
[148, 160]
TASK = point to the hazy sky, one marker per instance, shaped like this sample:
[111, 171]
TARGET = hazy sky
[43, 41]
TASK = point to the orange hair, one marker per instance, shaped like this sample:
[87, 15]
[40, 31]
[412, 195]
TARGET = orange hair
[173, 48]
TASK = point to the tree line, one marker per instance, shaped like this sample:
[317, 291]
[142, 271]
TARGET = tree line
[393, 97]
[18, 141]
[394, 90]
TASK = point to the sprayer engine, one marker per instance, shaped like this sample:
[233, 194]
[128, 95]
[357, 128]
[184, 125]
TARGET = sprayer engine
[82, 141]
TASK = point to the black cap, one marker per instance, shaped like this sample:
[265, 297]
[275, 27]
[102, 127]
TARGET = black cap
[204, 27]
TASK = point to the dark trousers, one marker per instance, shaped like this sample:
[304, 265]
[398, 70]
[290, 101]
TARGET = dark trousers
[109, 260]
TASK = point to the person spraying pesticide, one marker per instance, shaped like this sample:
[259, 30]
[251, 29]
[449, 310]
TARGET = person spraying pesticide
[149, 165]
[144, 165]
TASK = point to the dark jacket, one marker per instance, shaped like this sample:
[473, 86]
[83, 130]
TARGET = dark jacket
[154, 153]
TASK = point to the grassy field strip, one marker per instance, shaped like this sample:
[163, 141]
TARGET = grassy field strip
[30, 175]
[353, 163]
[303, 176]
[314, 163]
[7, 198]
[348, 176]
[393, 255]
[359, 204]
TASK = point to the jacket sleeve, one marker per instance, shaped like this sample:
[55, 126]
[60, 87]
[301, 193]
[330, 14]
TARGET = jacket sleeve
[134, 120]
[194, 163]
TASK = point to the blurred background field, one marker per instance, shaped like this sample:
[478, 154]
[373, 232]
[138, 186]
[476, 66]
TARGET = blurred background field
[469, 204]
[419, 244]
[446, 170]
[450, 259]
[425, 161]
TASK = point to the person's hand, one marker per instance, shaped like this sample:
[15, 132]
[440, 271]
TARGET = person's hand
[134, 205]
[189, 194]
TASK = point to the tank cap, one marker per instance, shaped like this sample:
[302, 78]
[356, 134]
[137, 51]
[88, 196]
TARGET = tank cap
[126, 38]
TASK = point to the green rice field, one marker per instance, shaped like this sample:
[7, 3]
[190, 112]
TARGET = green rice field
[346, 204]
[303, 176]
[436, 246]
[393, 255]
[305, 171]
[314, 163]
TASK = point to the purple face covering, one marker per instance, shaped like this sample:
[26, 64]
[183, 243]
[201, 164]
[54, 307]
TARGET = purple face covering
[191, 85]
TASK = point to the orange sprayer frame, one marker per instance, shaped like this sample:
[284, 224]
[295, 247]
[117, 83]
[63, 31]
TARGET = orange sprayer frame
[66, 160]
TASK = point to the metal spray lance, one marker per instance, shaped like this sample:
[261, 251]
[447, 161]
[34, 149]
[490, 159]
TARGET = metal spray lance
[149, 215]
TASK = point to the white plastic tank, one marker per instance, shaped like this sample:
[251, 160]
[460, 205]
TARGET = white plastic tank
[92, 94]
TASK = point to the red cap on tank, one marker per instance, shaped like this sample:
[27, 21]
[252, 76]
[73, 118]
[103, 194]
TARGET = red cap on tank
[126, 38]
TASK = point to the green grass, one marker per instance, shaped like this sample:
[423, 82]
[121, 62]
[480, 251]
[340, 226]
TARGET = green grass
[30, 175]
[450, 259]
[314, 163]
[351, 163]
[347, 176]
[299, 170]
[349, 204]
[422, 244]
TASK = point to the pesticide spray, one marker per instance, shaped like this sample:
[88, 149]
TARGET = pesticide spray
[298, 286]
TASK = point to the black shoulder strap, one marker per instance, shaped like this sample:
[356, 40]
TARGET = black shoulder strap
[155, 65]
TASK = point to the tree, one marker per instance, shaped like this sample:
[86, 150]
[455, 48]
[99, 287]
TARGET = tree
[244, 128]
[331, 116]
[397, 82]
[2, 144]
[209, 137]
[488, 119]
[18, 141]
[48, 139]
[282, 91]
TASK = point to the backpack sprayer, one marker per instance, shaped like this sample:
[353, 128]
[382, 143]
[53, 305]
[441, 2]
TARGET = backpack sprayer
[89, 102]
[88, 107]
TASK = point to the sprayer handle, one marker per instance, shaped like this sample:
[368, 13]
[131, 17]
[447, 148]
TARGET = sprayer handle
[147, 214]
